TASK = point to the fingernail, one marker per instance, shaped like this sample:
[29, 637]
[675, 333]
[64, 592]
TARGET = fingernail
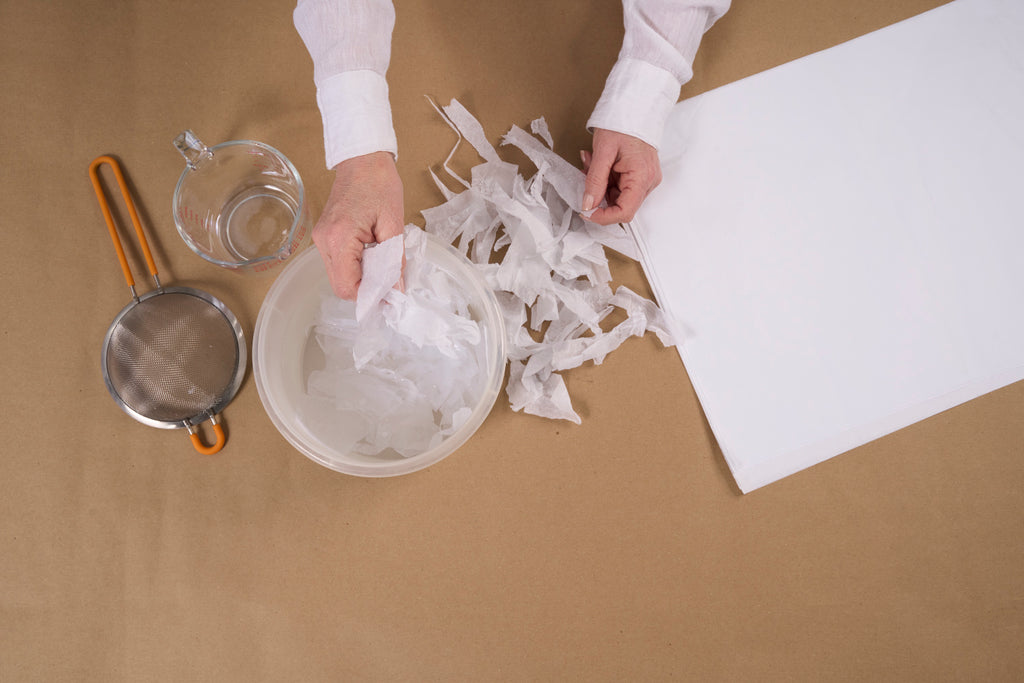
[588, 202]
[583, 156]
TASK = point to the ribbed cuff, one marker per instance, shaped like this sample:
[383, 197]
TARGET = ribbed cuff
[637, 100]
[356, 115]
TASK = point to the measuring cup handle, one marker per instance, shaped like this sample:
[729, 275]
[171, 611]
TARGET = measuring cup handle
[94, 176]
[192, 148]
[197, 441]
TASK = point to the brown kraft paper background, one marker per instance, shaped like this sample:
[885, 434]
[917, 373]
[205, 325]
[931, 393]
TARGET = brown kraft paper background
[615, 550]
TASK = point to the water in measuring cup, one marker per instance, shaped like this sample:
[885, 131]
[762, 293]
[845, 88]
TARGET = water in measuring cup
[256, 222]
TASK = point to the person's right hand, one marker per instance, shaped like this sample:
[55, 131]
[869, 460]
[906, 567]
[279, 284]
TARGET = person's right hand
[365, 206]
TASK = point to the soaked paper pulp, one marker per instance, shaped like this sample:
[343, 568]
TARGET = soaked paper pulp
[840, 243]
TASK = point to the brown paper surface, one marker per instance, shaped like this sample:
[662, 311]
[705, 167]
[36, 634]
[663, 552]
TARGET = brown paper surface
[615, 550]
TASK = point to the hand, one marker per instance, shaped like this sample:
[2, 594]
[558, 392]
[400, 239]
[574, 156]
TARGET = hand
[622, 170]
[365, 206]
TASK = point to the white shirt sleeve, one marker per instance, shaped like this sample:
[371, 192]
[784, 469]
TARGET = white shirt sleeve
[661, 40]
[350, 43]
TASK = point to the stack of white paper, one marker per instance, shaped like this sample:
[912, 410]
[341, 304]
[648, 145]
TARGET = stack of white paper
[840, 240]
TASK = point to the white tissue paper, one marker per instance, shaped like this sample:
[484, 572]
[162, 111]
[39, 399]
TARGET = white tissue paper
[547, 265]
[402, 369]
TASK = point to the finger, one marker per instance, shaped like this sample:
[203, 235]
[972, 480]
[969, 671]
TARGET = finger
[597, 177]
[585, 158]
[629, 200]
[613, 193]
[388, 227]
[624, 208]
[341, 261]
[345, 269]
[607, 215]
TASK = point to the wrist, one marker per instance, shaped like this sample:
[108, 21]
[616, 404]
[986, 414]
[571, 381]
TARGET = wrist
[365, 164]
[636, 101]
[368, 159]
[356, 115]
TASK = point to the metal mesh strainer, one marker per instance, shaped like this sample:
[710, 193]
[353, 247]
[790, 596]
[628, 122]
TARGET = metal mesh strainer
[175, 356]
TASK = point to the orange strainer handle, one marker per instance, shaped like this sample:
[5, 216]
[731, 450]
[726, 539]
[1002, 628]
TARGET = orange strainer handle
[108, 216]
[197, 440]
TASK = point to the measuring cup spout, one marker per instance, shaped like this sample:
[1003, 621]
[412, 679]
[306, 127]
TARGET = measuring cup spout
[192, 148]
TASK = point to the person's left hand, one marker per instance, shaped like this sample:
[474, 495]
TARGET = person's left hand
[622, 170]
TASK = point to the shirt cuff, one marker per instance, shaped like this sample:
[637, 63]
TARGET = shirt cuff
[637, 100]
[356, 115]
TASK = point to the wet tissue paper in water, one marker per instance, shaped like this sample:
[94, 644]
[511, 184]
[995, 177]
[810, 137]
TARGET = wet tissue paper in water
[401, 369]
[553, 276]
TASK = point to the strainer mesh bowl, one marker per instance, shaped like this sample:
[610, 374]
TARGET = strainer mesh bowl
[171, 357]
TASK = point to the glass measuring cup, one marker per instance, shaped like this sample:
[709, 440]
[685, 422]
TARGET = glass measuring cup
[240, 204]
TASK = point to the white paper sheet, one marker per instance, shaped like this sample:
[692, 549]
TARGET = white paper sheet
[840, 240]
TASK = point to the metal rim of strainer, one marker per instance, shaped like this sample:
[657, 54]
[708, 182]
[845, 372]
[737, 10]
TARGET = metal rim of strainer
[229, 391]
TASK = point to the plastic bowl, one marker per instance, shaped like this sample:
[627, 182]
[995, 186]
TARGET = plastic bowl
[285, 352]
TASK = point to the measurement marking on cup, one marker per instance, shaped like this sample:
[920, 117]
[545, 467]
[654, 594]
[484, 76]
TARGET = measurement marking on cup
[259, 162]
[190, 217]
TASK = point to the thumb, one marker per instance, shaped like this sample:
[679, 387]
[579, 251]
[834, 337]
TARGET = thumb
[597, 177]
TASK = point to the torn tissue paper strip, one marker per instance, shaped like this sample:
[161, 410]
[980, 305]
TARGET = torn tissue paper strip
[382, 267]
[839, 241]
[553, 277]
